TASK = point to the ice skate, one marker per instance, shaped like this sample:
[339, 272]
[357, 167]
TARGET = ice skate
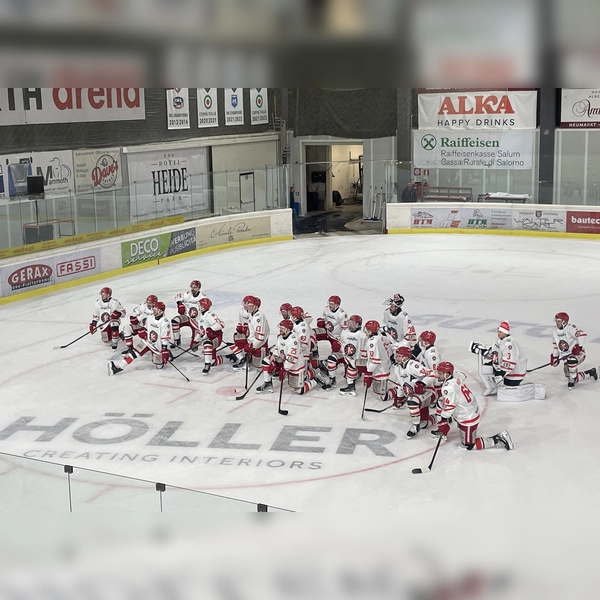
[113, 369]
[176, 343]
[571, 384]
[240, 365]
[206, 369]
[593, 372]
[349, 390]
[265, 388]
[412, 432]
[503, 438]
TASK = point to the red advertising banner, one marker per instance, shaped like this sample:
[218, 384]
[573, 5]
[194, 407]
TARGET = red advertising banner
[583, 222]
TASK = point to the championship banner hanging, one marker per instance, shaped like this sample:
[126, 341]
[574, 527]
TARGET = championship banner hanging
[178, 108]
[208, 115]
[259, 106]
[234, 106]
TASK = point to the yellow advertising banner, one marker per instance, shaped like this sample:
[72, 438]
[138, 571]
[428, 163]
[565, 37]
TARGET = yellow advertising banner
[238, 230]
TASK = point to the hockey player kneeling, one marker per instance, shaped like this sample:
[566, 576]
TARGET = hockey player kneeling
[459, 404]
[503, 367]
[154, 339]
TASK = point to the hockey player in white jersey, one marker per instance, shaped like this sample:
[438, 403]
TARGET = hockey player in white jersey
[137, 320]
[155, 338]
[414, 385]
[210, 335]
[378, 359]
[354, 346]
[255, 347]
[460, 404]
[568, 344]
[188, 309]
[240, 334]
[397, 324]
[108, 312]
[329, 328]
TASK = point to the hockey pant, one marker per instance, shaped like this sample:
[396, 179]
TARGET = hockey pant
[418, 406]
[469, 439]
[353, 368]
[571, 364]
[211, 342]
[140, 350]
[257, 355]
[180, 321]
[131, 329]
[110, 332]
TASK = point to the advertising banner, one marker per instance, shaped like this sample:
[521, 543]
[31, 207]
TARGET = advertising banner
[21, 106]
[473, 150]
[485, 218]
[478, 110]
[208, 115]
[239, 230]
[583, 222]
[55, 167]
[580, 109]
[15, 279]
[539, 220]
[234, 106]
[162, 183]
[435, 218]
[178, 108]
[97, 170]
[259, 106]
[134, 252]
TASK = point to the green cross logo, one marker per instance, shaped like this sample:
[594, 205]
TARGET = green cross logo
[207, 102]
[259, 101]
[428, 142]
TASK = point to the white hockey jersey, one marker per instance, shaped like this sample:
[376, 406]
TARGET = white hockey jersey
[459, 402]
[191, 302]
[508, 356]
[142, 312]
[303, 333]
[209, 320]
[159, 332]
[103, 310]
[399, 328]
[430, 358]
[405, 377]
[378, 358]
[354, 346]
[564, 339]
[335, 321]
[258, 330]
[289, 354]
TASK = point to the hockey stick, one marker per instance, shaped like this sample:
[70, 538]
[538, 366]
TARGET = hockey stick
[156, 352]
[279, 409]
[75, 340]
[378, 410]
[362, 416]
[248, 388]
[547, 364]
[427, 469]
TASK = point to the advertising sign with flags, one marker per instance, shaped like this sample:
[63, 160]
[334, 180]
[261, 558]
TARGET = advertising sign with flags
[234, 106]
[178, 108]
[259, 106]
[208, 116]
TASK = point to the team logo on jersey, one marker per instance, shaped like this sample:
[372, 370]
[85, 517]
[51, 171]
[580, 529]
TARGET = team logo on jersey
[407, 389]
[563, 346]
[392, 333]
[349, 350]
[153, 336]
[105, 317]
[329, 325]
[193, 312]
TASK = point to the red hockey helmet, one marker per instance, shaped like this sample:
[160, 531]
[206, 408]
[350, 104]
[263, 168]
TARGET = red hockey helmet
[195, 283]
[286, 324]
[297, 313]
[246, 299]
[257, 301]
[335, 300]
[562, 316]
[504, 327]
[404, 351]
[205, 303]
[160, 306]
[428, 337]
[285, 307]
[445, 367]
[106, 291]
[372, 327]
[151, 300]
[357, 319]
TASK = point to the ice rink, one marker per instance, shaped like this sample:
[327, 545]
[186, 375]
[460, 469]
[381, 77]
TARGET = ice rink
[154, 425]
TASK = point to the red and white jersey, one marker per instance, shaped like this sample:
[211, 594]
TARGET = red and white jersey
[103, 310]
[287, 350]
[142, 312]
[159, 332]
[209, 320]
[509, 358]
[308, 319]
[191, 302]
[430, 358]
[399, 328]
[303, 333]
[258, 330]
[354, 345]
[335, 321]
[378, 357]
[244, 317]
[564, 339]
[458, 401]
[411, 372]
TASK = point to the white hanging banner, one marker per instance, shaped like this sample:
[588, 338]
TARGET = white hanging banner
[208, 115]
[234, 106]
[473, 150]
[259, 106]
[580, 109]
[478, 110]
[178, 108]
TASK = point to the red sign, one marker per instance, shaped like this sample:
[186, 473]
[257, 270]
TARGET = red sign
[30, 275]
[583, 222]
[416, 171]
[75, 266]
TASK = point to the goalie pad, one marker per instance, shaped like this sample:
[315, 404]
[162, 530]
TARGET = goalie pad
[486, 372]
[296, 380]
[520, 393]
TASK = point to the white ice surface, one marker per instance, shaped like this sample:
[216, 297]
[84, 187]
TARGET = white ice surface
[461, 287]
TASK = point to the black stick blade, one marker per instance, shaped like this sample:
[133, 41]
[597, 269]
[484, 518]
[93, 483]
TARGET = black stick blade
[284, 412]
[416, 471]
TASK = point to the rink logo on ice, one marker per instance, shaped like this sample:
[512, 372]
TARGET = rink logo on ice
[30, 276]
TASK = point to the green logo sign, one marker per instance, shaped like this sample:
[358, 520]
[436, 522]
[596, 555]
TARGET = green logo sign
[428, 142]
